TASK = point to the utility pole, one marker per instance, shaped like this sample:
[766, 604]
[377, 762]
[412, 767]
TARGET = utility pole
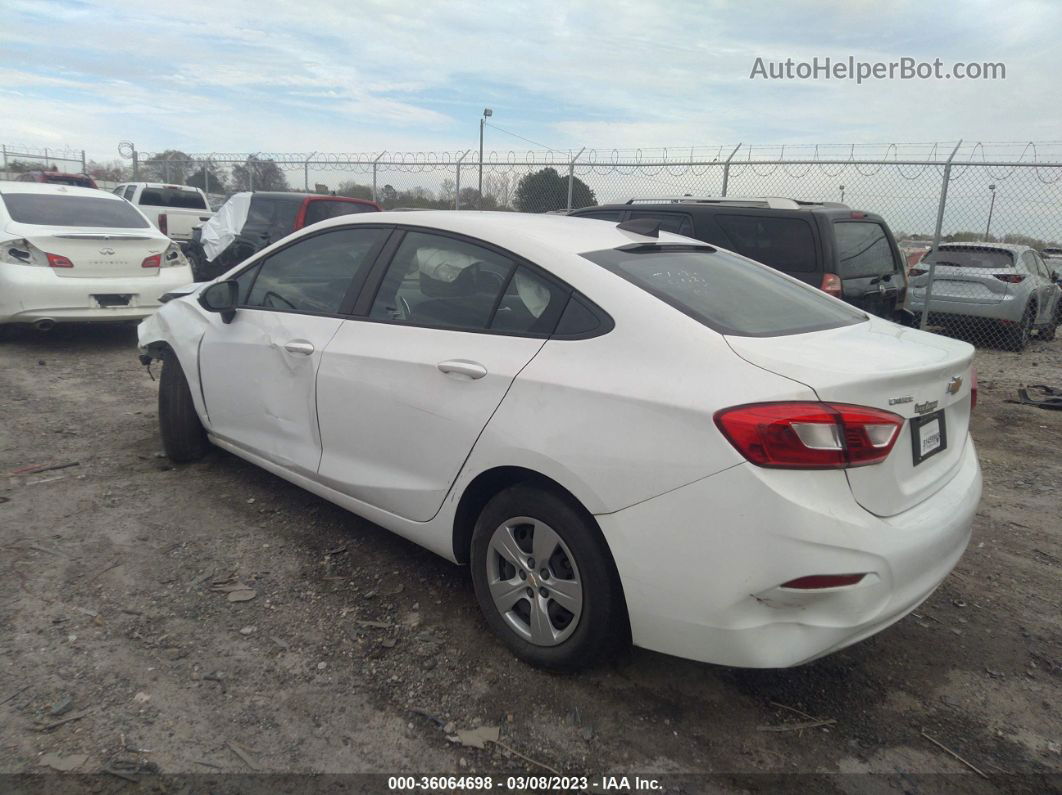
[487, 113]
[936, 235]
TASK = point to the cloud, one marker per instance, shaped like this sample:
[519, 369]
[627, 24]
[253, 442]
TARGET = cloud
[394, 74]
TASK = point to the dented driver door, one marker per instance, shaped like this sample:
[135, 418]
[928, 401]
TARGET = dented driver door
[259, 372]
[259, 383]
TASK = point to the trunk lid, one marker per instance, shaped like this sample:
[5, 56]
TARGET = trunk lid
[96, 253]
[906, 371]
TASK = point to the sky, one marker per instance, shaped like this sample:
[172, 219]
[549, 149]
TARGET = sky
[238, 76]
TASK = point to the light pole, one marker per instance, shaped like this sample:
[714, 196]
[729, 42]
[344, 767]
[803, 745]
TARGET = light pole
[487, 113]
[842, 193]
[991, 206]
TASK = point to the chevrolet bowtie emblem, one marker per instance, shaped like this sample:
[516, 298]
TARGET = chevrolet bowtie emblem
[955, 384]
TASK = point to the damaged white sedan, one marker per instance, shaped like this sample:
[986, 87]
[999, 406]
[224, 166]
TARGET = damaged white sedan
[77, 254]
[628, 435]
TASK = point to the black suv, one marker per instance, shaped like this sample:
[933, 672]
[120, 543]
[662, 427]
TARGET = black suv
[849, 254]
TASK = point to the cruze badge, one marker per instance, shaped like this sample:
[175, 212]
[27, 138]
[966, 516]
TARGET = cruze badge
[954, 385]
[925, 408]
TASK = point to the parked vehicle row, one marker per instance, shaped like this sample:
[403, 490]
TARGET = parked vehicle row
[629, 435]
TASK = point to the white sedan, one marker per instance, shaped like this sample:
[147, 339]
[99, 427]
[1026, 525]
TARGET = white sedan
[628, 434]
[78, 254]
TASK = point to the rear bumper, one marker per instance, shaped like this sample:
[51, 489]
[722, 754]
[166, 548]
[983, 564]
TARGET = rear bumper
[30, 294]
[701, 566]
[1007, 308]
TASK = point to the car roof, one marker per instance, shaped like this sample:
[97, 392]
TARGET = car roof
[562, 233]
[44, 187]
[737, 206]
[1013, 248]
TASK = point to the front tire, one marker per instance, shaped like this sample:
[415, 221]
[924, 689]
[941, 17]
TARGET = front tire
[545, 581]
[183, 436]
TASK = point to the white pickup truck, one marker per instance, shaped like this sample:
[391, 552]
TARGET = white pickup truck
[174, 209]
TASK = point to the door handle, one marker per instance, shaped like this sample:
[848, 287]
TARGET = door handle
[300, 347]
[464, 367]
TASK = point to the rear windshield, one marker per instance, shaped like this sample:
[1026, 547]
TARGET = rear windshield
[725, 292]
[173, 197]
[320, 209]
[971, 257]
[862, 249]
[783, 243]
[47, 209]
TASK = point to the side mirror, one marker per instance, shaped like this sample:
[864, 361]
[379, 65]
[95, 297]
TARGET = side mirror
[221, 298]
[1056, 276]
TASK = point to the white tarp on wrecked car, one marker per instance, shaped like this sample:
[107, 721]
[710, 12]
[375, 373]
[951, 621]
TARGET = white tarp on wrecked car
[225, 224]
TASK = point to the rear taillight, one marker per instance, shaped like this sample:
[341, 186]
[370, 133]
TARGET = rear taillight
[816, 581]
[917, 272]
[1010, 278]
[163, 224]
[59, 261]
[806, 435]
[154, 261]
[831, 284]
[973, 389]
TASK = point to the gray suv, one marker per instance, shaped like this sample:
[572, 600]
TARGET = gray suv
[1001, 283]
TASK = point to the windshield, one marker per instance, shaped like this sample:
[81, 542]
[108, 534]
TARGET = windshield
[48, 209]
[971, 257]
[725, 292]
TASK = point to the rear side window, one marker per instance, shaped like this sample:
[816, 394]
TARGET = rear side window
[320, 209]
[971, 257]
[47, 209]
[443, 282]
[679, 223]
[277, 214]
[862, 249]
[726, 293]
[603, 215]
[783, 243]
[173, 197]
[530, 305]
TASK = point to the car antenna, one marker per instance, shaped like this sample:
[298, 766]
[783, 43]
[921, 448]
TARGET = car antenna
[641, 226]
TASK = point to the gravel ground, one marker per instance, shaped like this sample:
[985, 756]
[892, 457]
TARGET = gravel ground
[356, 651]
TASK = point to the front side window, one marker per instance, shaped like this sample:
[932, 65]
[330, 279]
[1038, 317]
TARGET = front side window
[783, 243]
[725, 292]
[49, 209]
[313, 275]
[130, 191]
[439, 281]
[862, 249]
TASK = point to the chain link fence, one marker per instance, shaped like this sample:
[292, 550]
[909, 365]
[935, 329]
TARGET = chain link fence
[979, 226]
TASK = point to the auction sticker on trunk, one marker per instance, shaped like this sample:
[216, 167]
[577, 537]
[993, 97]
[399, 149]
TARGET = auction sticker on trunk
[928, 436]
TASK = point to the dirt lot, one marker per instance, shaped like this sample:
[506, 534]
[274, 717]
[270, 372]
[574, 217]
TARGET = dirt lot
[360, 652]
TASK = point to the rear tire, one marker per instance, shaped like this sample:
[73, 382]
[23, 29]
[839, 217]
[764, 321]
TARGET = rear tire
[1018, 336]
[1047, 333]
[183, 436]
[514, 590]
